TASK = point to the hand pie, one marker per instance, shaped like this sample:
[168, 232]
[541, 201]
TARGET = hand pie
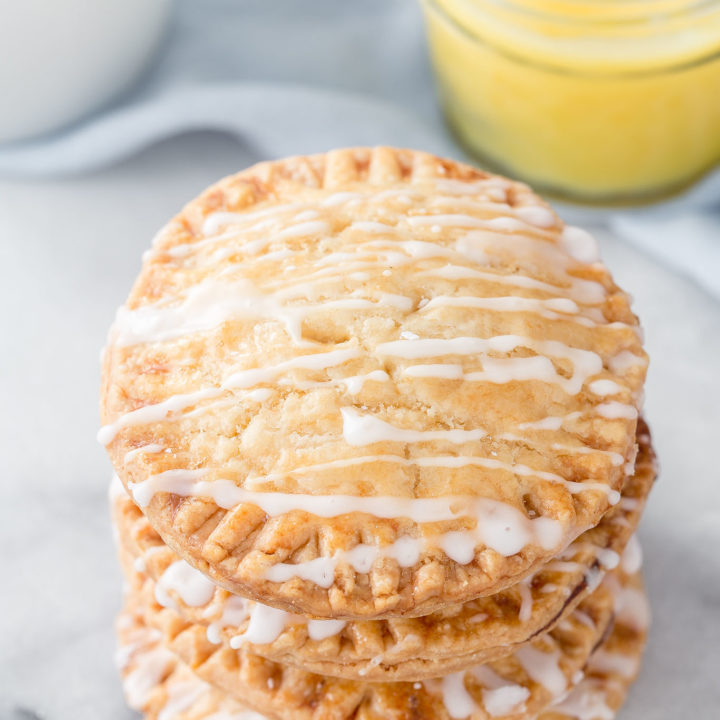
[371, 383]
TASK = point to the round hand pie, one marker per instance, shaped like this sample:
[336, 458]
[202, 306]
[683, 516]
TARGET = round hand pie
[371, 383]
[409, 649]
[580, 670]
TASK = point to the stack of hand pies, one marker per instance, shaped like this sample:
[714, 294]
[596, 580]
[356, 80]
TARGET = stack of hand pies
[374, 420]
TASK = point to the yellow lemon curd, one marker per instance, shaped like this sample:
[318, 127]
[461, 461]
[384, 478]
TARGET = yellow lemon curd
[601, 100]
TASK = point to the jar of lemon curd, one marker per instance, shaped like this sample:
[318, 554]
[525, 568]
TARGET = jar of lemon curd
[594, 100]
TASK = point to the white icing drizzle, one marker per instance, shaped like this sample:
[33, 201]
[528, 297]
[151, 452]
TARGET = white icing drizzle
[225, 491]
[580, 244]
[153, 663]
[340, 198]
[624, 361]
[607, 662]
[583, 618]
[260, 395]
[615, 410]
[265, 626]
[373, 227]
[402, 252]
[444, 371]
[180, 696]
[631, 559]
[190, 584]
[609, 559]
[227, 494]
[583, 291]
[321, 571]
[475, 187]
[499, 525]
[553, 308]
[629, 504]
[317, 227]
[586, 701]
[615, 458]
[551, 422]
[215, 221]
[631, 604]
[150, 668]
[516, 220]
[322, 629]
[496, 370]
[458, 220]
[521, 218]
[353, 384]
[235, 611]
[457, 700]
[505, 700]
[210, 303]
[137, 643]
[458, 546]
[605, 387]
[243, 379]
[632, 608]
[479, 246]
[526, 605]
[548, 588]
[360, 430]
[151, 448]
[543, 668]
[499, 696]
[536, 215]
[593, 578]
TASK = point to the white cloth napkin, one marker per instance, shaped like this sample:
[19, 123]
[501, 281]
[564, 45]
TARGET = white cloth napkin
[291, 77]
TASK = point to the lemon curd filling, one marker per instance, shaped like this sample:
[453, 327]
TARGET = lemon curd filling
[602, 100]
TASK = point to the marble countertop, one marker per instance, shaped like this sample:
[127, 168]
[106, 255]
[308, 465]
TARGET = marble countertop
[69, 251]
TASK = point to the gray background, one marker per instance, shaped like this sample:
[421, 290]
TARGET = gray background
[69, 250]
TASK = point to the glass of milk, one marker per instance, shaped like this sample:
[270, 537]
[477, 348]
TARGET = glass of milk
[61, 59]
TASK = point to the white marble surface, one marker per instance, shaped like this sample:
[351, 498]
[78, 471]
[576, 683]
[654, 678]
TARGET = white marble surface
[69, 251]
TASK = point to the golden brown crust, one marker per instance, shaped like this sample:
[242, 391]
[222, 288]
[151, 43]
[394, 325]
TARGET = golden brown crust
[192, 699]
[392, 289]
[614, 666]
[284, 691]
[412, 648]
[287, 693]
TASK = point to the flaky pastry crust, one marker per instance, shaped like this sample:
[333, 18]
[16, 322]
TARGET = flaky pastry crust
[385, 326]
[411, 649]
[597, 696]
[281, 691]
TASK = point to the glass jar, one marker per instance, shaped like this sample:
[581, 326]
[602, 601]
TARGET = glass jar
[594, 100]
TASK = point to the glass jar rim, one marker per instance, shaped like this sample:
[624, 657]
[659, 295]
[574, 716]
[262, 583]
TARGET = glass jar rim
[603, 13]
[474, 18]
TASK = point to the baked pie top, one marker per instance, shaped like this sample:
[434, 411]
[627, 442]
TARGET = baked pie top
[512, 688]
[393, 649]
[371, 383]
[157, 683]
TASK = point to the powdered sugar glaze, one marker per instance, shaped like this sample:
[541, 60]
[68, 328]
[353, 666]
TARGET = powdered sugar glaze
[453, 249]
